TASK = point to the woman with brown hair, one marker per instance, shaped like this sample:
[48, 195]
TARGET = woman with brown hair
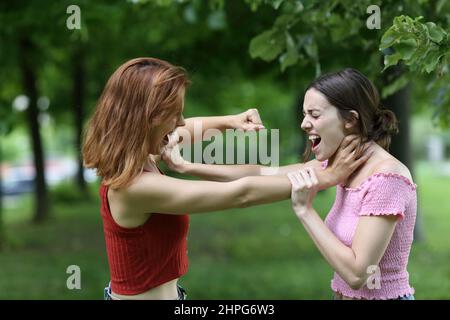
[144, 212]
[367, 235]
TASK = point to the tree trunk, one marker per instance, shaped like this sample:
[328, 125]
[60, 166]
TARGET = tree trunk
[29, 84]
[78, 105]
[399, 103]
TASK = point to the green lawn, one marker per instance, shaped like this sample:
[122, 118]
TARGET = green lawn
[255, 253]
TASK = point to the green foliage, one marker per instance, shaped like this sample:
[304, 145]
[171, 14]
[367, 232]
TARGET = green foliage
[66, 193]
[268, 45]
[395, 85]
[423, 48]
[7, 117]
[300, 26]
[303, 32]
[255, 4]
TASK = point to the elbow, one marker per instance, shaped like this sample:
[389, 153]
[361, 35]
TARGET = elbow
[245, 200]
[244, 203]
[356, 282]
[357, 279]
[244, 197]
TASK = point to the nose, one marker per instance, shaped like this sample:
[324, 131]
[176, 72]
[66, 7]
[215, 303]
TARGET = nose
[306, 124]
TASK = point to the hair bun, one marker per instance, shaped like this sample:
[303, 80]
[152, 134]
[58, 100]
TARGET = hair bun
[385, 124]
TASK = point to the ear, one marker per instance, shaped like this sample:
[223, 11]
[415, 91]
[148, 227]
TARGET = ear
[353, 121]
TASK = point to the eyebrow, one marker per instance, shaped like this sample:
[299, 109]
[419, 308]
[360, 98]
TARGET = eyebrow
[310, 110]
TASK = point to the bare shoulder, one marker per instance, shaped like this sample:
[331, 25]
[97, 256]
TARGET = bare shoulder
[392, 165]
[146, 182]
[124, 204]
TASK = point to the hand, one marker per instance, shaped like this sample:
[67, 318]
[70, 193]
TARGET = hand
[171, 154]
[304, 188]
[348, 158]
[248, 120]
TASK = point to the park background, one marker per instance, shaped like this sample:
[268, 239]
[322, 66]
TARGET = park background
[56, 58]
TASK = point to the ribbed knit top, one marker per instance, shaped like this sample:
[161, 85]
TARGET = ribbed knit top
[380, 194]
[147, 256]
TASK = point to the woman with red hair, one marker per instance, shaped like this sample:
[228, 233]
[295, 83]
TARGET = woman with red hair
[144, 212]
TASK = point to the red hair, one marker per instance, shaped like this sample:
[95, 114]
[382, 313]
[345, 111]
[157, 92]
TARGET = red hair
[141, 94]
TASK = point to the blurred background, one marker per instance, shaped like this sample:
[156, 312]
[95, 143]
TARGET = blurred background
[57, 55]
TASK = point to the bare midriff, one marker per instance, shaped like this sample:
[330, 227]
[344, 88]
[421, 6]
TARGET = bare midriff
[166, 291]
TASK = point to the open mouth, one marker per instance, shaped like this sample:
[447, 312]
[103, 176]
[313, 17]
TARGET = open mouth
[315, 140]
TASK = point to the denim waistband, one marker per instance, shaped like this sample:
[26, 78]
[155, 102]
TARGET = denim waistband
[107, 292]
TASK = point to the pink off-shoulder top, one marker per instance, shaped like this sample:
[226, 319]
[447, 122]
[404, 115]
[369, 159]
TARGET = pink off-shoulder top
[380, 194]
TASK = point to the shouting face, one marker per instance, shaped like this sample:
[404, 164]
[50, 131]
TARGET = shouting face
[323, 124]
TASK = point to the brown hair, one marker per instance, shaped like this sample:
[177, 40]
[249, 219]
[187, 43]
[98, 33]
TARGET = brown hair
[350, 90]
[141, 94]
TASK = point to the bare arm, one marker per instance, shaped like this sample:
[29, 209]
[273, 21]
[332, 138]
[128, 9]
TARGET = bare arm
[372, 235]
[163, 194]
[345, 163]
[195, 128]
[371, 239]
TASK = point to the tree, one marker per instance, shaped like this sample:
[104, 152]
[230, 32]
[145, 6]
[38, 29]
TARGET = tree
[5, 128]
[423, 48]
[303, 30]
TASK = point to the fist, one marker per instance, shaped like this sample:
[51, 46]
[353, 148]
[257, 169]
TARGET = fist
[249, 120]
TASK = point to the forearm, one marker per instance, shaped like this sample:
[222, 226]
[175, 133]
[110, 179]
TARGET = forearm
[327, 178]
[197, 126]
[261, 190]
[216, 172]
[340, 257]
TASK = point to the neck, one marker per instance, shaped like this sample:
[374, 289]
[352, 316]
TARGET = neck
[150, 164]
[365, 168]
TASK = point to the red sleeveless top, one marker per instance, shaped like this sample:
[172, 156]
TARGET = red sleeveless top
[147, 256]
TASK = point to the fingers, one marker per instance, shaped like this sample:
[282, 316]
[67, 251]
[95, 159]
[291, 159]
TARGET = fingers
[306, 178]
[295, 181]
[348, 140]
[361, 149]
[173, 139]
[253, 116]
[303, 178]
[312, 174]
[352, 145]
[366, 155]
[310, 177]
[253, 120]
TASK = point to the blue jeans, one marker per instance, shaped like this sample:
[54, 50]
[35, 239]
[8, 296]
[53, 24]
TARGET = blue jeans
[107, 292]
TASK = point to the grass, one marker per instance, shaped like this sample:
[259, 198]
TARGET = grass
[254, 253]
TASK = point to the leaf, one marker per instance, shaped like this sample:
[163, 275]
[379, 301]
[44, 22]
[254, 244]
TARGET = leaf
[432, 60]
[395, 86]
[406, 48]
[276, 4]
[436, 32]
[267, 45]
[311, 49]
[290, 57]
[391, 60]
[388, 39]
[284, 21]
